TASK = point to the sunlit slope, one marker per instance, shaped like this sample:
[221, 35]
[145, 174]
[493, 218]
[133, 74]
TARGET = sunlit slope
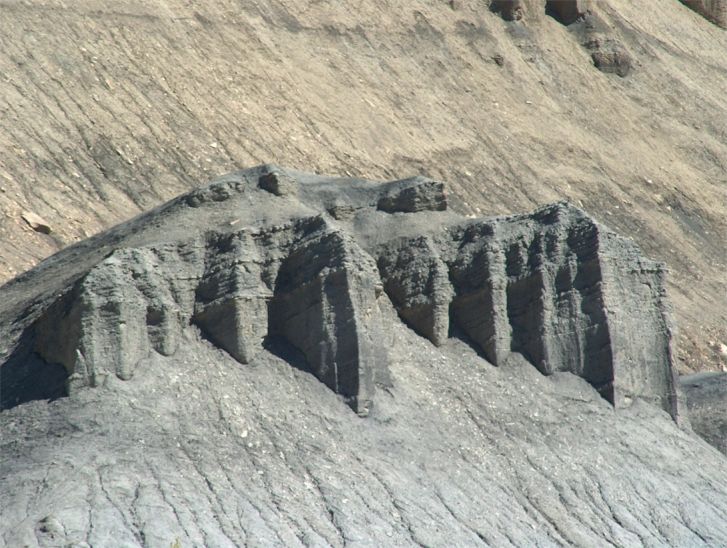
[107, 110]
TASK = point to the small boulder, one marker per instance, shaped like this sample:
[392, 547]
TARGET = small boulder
[566, 12]
[609, 56]
[277, 182]
[36, 222]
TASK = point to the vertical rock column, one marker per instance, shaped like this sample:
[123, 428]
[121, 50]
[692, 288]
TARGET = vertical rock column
[417, 282]
[325, 306]
[641, 333]
[530, 302]
[479, 307]
[588, 352]
[231, 302]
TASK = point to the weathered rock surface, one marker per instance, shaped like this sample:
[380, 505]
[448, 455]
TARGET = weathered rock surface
[706, 396]
[510, 10]
[555, 286]
[713, 10]
[609, 56]
[166, 347]
[607, 52]
[109, 109]
[567, 11]
[564, 11]
[303, 282]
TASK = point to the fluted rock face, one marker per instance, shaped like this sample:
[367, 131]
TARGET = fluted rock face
[416, 280]
[325, 305]
[554, 286]
[135, 301]
[274, 259]
[302, 282]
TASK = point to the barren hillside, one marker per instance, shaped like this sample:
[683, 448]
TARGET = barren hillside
[283, 359]
[107, 109]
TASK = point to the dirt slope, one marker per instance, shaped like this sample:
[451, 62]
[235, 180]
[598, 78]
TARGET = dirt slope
[198, 449]
[108, 110]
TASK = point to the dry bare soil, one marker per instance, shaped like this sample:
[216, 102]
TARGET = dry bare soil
[107, 109]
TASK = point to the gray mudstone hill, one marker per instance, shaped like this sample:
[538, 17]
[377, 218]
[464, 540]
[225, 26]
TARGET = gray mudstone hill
[280, 358]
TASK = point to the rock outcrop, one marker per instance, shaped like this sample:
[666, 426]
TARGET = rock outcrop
[203, 362]
[303, 282]
[510, 10]
[567, 11]
[564, 11]
[554, 286]
[713, 10]
[608, 53]
[609, 56]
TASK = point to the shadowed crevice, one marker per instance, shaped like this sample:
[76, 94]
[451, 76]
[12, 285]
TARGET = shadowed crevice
[27, 377]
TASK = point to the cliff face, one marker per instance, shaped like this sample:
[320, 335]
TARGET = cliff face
[285, 359]
[565, 292]
[107, 111]
[554, 286]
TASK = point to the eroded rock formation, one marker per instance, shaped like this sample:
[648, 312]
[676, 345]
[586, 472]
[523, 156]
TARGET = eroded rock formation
[304, 282]
[609, 56]
[555, 286]
[608, 52]
[270, 257]
[564, 11]
[713, 10]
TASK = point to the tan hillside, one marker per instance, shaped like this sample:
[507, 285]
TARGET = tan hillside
[107, 109]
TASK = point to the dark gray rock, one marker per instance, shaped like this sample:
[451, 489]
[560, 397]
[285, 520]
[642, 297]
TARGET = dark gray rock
[413, 195]
[416, 280]
[713, 10]
[510, 10]
[203, 361]
[567, 12]
[320, 294]
[325, 305]
[555, 286]
[706, 397]
[134, 301]
[231, 298]
[277, 182]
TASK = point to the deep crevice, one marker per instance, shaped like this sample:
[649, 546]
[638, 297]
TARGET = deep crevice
[26, 377]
